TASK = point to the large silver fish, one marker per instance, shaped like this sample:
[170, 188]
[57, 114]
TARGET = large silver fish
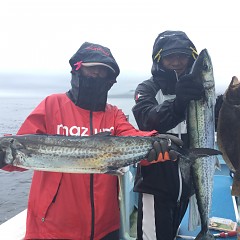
[228, 131]
[100, 153]
[201, 130]
[94, 154]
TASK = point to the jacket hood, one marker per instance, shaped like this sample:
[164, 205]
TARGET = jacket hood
[86, 92]
[169, 42]
[90, 54]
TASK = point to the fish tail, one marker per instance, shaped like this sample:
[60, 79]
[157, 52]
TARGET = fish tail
[205, 236]
[236, 184]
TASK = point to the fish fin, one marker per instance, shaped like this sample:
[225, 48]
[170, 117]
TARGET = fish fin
[204, 152]
[236, 184]
[194, 216]
[205, 235]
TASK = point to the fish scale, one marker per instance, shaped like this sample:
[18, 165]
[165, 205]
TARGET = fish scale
[93, 154]
[201, 131]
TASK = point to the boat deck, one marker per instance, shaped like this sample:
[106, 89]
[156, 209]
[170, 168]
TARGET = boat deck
[223, 206]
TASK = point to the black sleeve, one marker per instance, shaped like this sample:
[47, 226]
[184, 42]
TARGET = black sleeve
[150, 115]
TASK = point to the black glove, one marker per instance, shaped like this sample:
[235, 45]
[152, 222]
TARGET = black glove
[186, 90]
[2, 157]
[162, 151]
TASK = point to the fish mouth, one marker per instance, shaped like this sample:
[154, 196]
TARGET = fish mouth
[235, 81]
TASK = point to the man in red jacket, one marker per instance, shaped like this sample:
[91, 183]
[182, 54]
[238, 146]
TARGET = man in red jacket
[79, 206]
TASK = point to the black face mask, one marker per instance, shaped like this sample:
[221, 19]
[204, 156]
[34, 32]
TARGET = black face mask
[89, 93]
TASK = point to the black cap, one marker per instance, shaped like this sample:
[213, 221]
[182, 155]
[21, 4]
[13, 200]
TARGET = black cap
[170, 42]
[91, 54]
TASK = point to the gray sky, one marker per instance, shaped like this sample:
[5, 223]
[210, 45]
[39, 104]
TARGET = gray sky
[39, 36]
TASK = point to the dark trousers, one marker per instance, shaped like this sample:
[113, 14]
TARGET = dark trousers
[164, 221]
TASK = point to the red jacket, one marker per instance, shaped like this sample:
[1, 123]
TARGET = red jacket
[73, 206]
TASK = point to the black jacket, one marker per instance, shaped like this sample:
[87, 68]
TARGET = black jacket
[160, 179]
[149, 114]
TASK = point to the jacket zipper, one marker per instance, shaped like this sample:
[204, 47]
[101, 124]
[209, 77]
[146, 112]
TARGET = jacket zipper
[91, 186]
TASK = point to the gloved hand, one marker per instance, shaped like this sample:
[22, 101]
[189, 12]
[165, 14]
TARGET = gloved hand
[187, 90]
[2, 156]
[162, 151]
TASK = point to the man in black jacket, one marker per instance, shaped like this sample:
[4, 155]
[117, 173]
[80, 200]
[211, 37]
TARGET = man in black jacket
[161, 104]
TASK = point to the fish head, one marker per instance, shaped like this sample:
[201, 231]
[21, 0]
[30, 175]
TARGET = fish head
[202, 70]
[10, 146]
[10, 142]
[232, 94]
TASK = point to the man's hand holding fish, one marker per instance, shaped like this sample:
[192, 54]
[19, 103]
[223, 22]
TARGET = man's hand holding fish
[162, 151]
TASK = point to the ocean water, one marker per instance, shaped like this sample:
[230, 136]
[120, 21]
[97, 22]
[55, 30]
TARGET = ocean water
[14, 187]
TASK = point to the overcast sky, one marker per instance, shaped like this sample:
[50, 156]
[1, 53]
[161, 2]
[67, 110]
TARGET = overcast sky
[40, 36]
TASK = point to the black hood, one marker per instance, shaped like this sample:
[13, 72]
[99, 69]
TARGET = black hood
[88, 93]
[94, 53]
[169, 42]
